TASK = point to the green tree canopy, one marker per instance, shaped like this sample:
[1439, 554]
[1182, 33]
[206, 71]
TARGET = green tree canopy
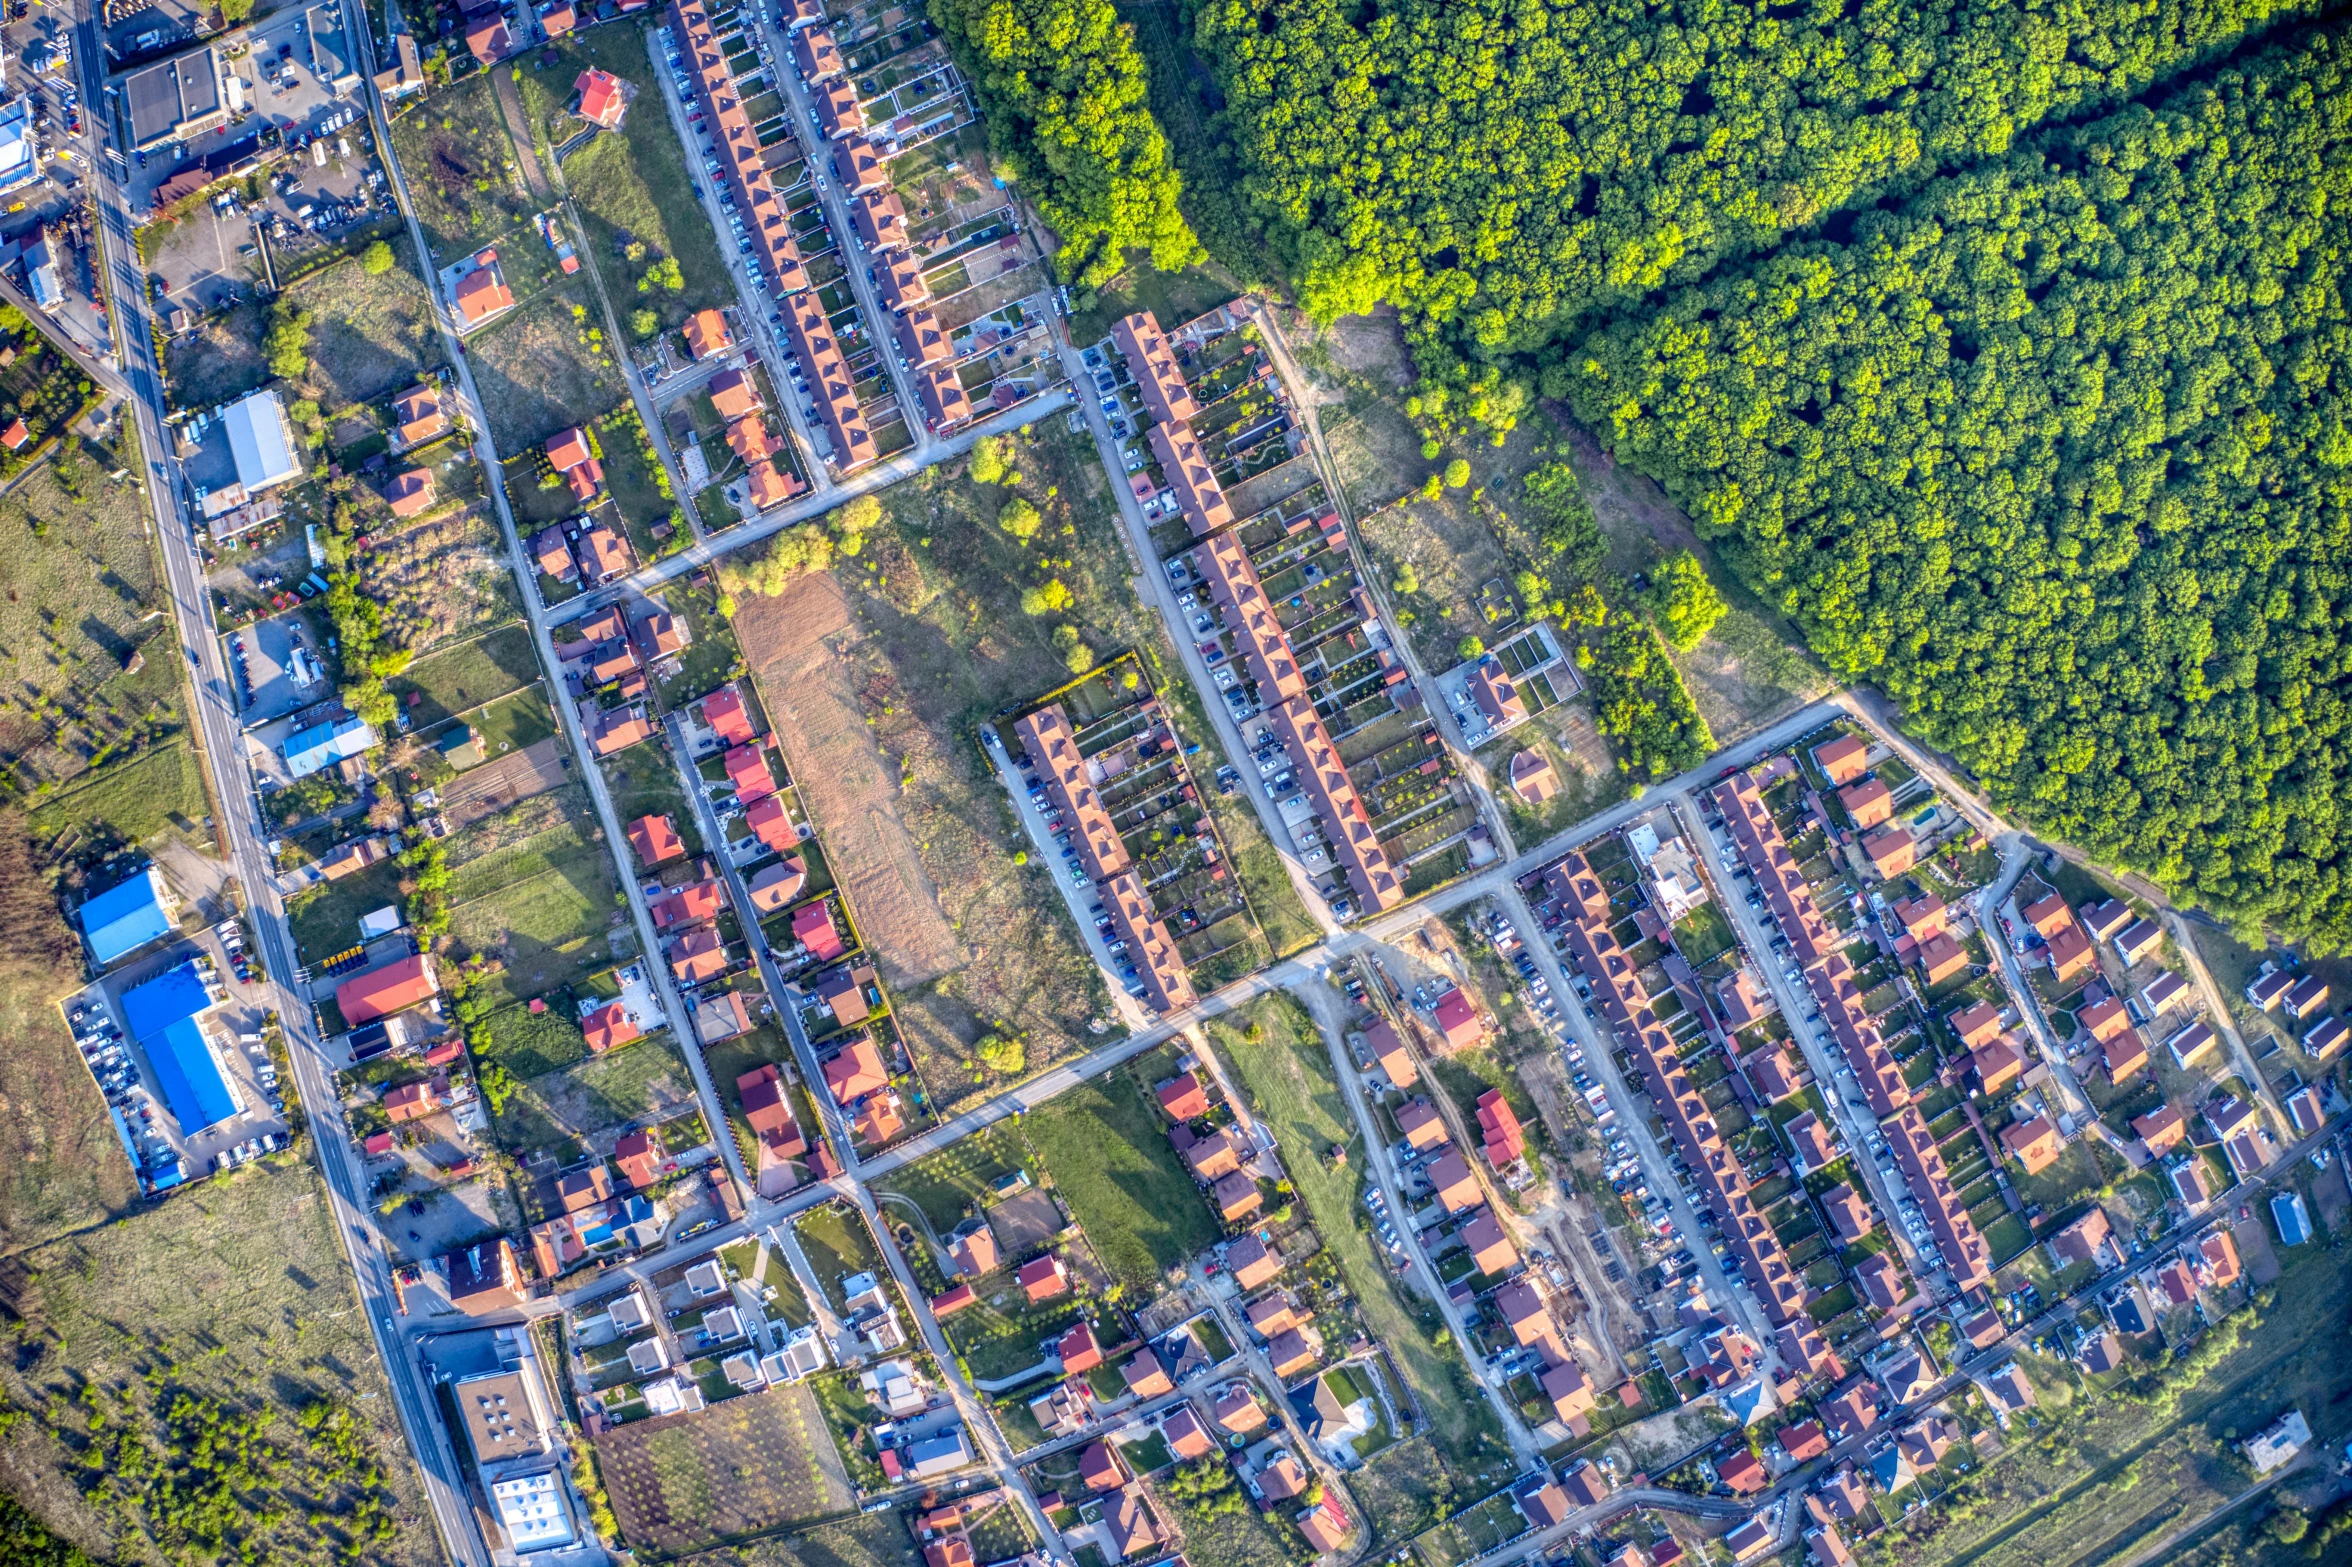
[1682, 601]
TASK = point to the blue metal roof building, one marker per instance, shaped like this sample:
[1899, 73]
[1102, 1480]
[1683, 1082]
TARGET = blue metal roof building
[162, 1016]
[127, 916]
[323, 745]
[2294, 1225]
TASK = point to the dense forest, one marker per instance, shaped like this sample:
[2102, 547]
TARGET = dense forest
[2059, 454]
[1068, 109]
[1499, 168]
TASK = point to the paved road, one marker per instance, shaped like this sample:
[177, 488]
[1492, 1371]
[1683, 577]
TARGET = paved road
[242, 834]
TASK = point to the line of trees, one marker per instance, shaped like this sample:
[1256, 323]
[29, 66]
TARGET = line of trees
[2054, 454]
[1497, 168]
[1062, 87]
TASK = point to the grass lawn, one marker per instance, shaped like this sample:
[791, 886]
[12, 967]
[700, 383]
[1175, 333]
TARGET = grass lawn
[369, 336]
[712, 658]
[544, 930]
[532, 1044]
[1107, 1151]
[630, 185]
[243, 1306]
[1288, 1076]
[838, 1245]
[2075, 1175]
[544, 367]
[468, 675]
[641, 1081]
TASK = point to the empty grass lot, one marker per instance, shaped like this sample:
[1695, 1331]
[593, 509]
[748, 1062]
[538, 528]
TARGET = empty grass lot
[462, 677]
[1288, 1075]
[1107, 1150]
[369, 336]
[236, 1294]
[80, 584]
[510, 723]
[591, 1100]
[543, 368]
[325, 919]
[545, 930]
[136, 798]
[454, 148]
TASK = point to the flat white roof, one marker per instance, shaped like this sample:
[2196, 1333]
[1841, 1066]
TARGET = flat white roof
[20, 160]
[531, 1508]
[259, 442]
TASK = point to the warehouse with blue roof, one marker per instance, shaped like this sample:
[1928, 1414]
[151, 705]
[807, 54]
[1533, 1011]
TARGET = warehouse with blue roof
[127, 916]
[161, 1015]
[323, 745]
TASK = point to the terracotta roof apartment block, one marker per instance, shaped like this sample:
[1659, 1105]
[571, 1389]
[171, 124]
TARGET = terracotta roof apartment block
[945, 402]
[1166, 985]
[1977, 1024]
[1166, 396]
[858, 165]
[1940, 957]
[900, 278]
[816, 55]
[1955, 1234]
[880, 219]
[1048, 739]
[1324, 778]
[1259, 640]
[1189, 475]
[1768, 859]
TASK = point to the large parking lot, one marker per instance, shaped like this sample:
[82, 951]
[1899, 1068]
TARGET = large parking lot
[126, 1073]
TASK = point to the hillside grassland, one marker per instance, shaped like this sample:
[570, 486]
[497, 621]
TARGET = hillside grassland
[227, 1310]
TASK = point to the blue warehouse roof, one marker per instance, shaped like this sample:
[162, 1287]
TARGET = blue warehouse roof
[162, 1017]
[322, 745]
[126, 916]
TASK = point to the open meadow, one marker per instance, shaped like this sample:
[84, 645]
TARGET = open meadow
[543, 368]
[227, 1310]
[1106, 1146]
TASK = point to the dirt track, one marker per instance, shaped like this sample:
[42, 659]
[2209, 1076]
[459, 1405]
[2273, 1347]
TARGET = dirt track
[797, 645]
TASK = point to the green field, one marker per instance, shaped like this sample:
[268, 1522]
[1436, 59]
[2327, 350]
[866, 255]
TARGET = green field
[543, 368]
[532, 1044]
[569, 847]
[960, 1177]
[1288, 1076]
[1107, 1150]
[837, 1244]
[454, 679]
[512, 722]
[631, 186]
[641, 1081]
[227, 1310]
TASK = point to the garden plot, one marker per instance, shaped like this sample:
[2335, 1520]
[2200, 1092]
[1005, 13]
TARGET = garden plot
[744, 1466]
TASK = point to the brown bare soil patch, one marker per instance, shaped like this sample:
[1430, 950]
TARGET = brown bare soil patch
[493, 786]
[804, 648]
